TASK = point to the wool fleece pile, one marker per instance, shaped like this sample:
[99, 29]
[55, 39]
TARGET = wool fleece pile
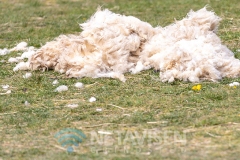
[112, 44]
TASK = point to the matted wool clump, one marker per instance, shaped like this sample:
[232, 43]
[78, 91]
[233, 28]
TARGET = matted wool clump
[112, 44]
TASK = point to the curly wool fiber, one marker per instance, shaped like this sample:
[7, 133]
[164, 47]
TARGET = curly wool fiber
[112, 44]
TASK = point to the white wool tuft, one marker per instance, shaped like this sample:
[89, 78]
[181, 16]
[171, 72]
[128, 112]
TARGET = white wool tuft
[92, 99]
[22, 46]
[26, 103]
[4, 51]
[28, 54]
[55, 82]
[27, 75]
[5, 87]
[234, 84]
[99, 109]
[22, 66]
[61, 88]
[13, 60]
[79, 85]
[9, 92]
[72, 105]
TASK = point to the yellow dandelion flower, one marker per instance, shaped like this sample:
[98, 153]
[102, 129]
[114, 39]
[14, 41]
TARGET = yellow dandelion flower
[197, 87]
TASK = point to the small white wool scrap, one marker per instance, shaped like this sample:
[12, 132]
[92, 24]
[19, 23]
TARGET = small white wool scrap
[27, 54]
[26, 103]
[234, 84]
[4, 51]
[55, 82]
[79, 85]
[27, 75]
[5, 87]
[231, 85]
[99, 109]
[20, 47]
[61, 88]
[72, 105]
[92, 99]
[138, 68]
[8, 92]
[31, 48]
[13, 60]
[22, 66]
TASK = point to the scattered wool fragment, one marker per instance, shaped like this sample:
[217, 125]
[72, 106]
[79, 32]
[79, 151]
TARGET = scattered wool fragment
[8, 92]
[26, 103]
[233, 84]
[236, 83]
[29, 51]
[31, 48]
[22, 66]
[197, 87]
[4, 51]
[5, 87]
[27, 75]
[79, 85]
[72, 105]
[20, 47]
[27, 54]
[61, 88]
[13, 60]
[55, 82]
[99, 109]
[92, 99]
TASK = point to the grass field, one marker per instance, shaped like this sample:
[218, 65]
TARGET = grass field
[147, 119]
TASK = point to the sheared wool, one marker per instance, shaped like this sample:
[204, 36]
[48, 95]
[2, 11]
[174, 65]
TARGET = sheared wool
[61, 88]
[112, 44]
[72, 106]
[234, 84]
[92, 99]
[22, 46]
[27, 54]
[5, 87]
[22, 66]
[109, 46]
[79, 85]
[190, 50]
[27, 75]
[55, 82]
[13, 60]
[4, 52]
